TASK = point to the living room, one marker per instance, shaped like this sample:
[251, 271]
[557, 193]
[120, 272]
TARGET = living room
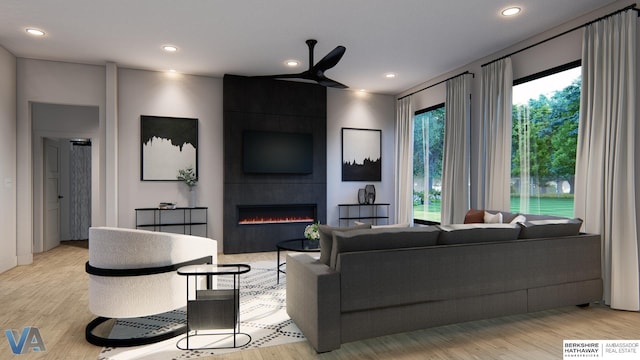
[123, 94]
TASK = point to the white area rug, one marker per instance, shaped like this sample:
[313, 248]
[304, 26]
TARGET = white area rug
[263, 315]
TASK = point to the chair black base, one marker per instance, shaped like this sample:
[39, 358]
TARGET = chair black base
[103, 341]
[235, 335]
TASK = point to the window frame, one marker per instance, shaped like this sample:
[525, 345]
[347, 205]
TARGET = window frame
[545, 73]
[548, 72]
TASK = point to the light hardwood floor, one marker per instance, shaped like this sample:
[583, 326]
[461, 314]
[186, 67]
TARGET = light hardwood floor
[51, 294]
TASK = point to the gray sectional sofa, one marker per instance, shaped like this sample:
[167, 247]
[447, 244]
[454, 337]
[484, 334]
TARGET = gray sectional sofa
[374, 282]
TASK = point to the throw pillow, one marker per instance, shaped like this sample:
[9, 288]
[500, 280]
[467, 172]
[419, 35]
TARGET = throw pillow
[490, 218]
[518, 219]
[326, 239]
[474, 217]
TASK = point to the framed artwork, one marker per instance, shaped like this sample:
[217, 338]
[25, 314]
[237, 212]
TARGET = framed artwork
[167, 144]
[361, 155]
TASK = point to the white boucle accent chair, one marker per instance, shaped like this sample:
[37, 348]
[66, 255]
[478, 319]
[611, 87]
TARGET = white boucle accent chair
[151, 258]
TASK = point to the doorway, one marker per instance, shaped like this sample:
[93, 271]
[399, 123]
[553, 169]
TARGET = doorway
[67, 190]
[63, 136]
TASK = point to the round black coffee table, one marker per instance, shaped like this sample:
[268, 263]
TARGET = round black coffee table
[298, 245]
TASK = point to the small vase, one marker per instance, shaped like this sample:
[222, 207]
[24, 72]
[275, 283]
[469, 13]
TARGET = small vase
[362, 198]
[370, 193]
[192, 197]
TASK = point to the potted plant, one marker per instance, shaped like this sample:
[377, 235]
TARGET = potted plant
[311, 232]
[188, 175]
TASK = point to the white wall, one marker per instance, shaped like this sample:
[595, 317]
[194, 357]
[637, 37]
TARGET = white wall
[8, 257]
[156, 93]
[174, 95]
[346, 108]
[41, 81]
[559, 51]
[162, 94]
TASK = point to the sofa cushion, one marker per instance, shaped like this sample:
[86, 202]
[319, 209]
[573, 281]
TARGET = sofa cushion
[531, 217]
[550, 228]
[326, 239]
[382, 239]
[403, 225]
[474, 217]
[475, 233]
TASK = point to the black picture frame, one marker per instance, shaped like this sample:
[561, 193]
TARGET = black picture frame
[167, 144]
[361, 154]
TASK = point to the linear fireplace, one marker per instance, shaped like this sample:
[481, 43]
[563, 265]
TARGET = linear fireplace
[276, 214]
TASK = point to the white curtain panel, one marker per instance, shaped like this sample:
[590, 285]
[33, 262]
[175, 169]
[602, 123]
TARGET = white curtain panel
[606, 164]
[404, 162]
[455, 164]
[80, 197]
[497, 84]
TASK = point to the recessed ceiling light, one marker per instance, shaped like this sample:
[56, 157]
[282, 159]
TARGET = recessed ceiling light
[390, 75]
[35, 32]
[169, 48]
[510, 11]
[292, 63]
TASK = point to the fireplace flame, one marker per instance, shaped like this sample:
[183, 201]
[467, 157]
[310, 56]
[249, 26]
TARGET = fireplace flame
[275, 220]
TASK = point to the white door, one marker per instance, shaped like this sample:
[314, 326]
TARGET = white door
[51, 194]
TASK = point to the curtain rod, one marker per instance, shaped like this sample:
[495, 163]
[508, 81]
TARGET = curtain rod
[630, 7]
[438, 83]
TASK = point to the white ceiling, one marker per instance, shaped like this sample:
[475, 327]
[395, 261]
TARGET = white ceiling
[417, 39]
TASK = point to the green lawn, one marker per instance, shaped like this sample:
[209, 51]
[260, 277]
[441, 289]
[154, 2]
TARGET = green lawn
[429, 212]
[547, 206]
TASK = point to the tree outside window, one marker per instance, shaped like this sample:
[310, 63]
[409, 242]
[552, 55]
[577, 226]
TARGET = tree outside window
[544, 139]
[428, 141]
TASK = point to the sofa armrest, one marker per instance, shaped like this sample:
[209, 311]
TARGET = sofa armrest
[313, 300]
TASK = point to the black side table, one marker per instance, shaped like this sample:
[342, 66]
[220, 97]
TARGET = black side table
[298, 245]
[213, 308]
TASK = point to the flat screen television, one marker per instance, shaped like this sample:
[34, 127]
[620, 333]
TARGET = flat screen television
[266, 152]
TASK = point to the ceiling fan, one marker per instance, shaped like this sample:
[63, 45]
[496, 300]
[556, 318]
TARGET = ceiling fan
[316, 72]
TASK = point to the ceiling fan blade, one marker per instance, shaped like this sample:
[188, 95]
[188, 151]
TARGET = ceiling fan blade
[325, 81]
[302, 75]
[330, 60]
[315, 72]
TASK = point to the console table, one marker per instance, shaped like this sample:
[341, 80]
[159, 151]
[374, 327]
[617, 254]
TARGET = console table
[182, 220]
[210, 309]
[376, 214]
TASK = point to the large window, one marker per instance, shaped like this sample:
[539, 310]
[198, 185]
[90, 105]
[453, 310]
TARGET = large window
[428, 140]
[545, 132]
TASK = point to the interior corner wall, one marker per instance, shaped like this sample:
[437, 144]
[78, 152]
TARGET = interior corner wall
[8, 258]
[41, 81]
[175, 95]
[354, 109]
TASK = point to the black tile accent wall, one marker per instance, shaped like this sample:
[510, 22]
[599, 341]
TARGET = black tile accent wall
[280, 106]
